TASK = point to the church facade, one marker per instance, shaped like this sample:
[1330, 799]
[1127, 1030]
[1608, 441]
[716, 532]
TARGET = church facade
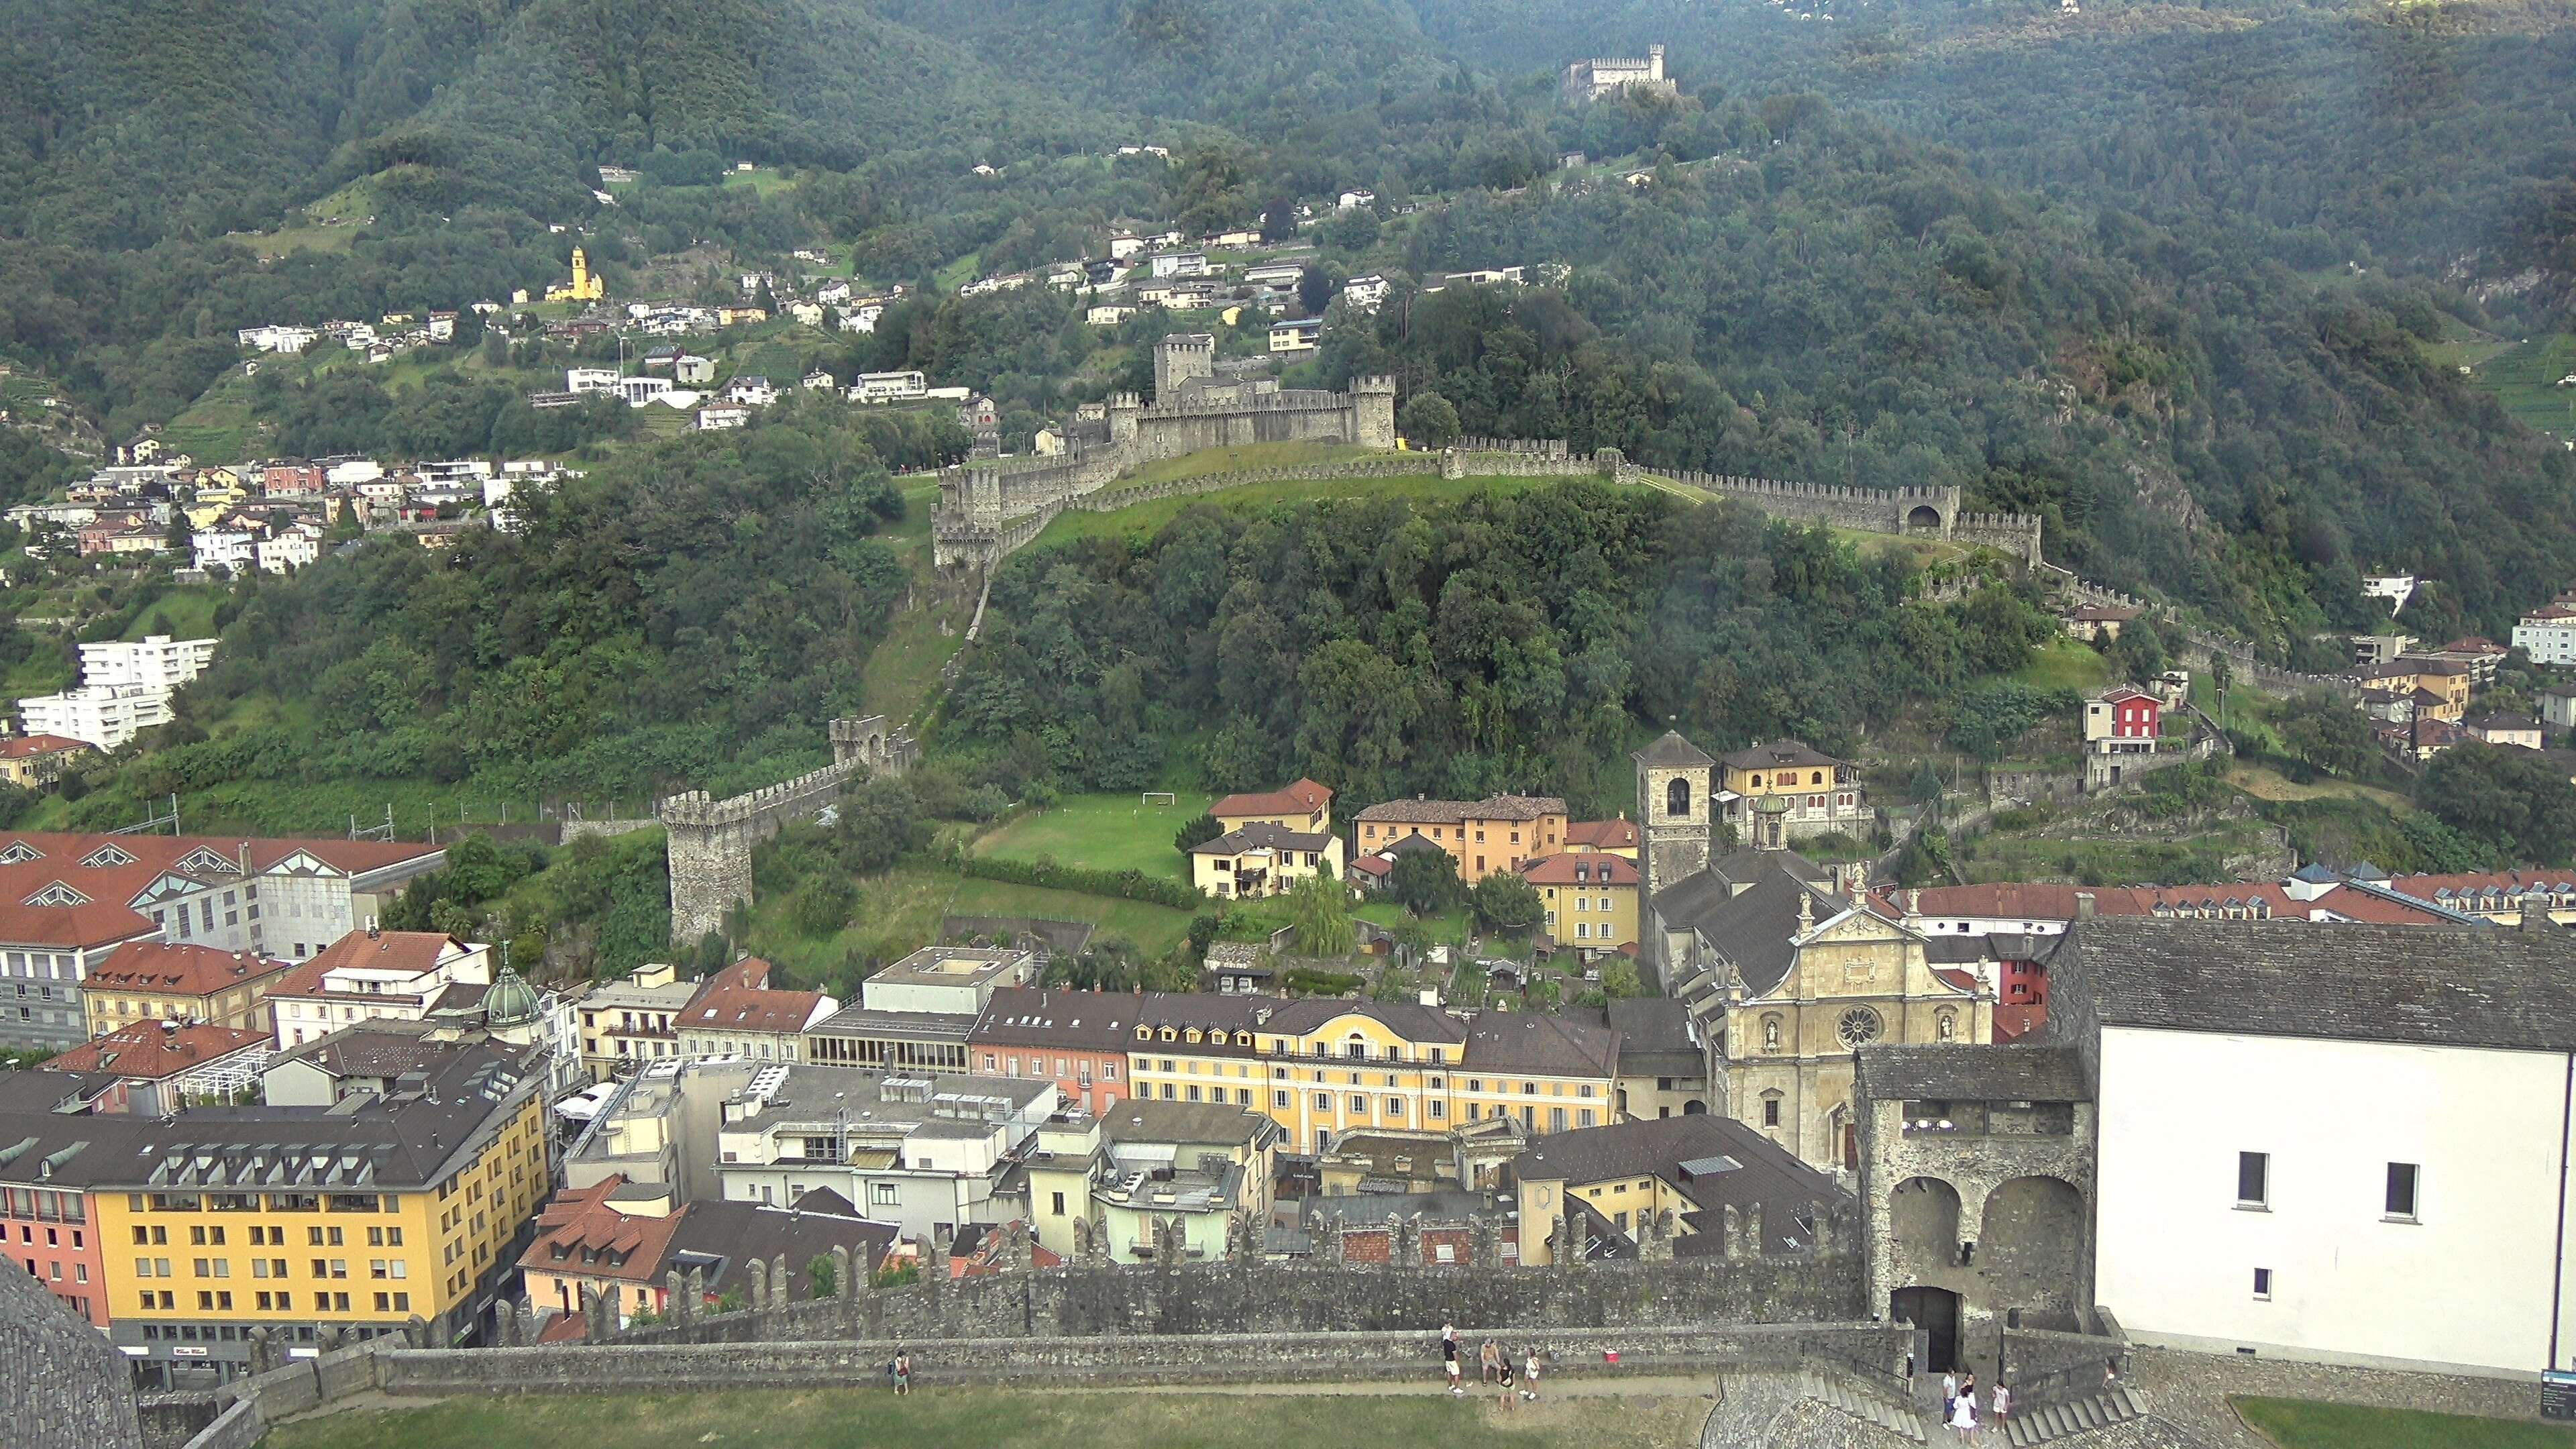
[1785, 965]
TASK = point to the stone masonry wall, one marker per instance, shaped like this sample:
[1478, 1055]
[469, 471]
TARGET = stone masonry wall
[710, 842]
[62, 1386]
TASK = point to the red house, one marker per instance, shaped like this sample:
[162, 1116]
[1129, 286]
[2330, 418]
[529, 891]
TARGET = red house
[2121, 720]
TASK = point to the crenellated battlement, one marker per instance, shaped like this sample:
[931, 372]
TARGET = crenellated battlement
[710, 840]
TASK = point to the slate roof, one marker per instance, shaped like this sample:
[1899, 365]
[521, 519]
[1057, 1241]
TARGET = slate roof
[2458, 986]
[1779, 754]
[1452, 812]
[1085, 1020]
[1754, 929]
[1673, 752]
[1964, 1072]
[1688, 1152]
[1502, 1041]
[1262, 835]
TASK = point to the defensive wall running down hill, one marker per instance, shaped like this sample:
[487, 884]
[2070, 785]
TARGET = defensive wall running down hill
[710, 840]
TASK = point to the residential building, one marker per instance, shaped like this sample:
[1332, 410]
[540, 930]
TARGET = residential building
[1364, 294]
[952, 980]
[1782, 791]
[2395, 588]
[1075, 1039]
[1591, 900]
[2548, 634]
[1177, 264]
[1300, 805]
[590, 379]
[2099, 623]
[233, 549]
[37, 761]
[2122, 721]
[106, 716]
[361, 1216]
[1189, 1170]
[738, 1013]
[889, 386]
[146, 981]
[717, 417]
[165, 1065]
[1262, 859]
[375, 975]
[1614, 837]
[2238, 1206]
[1374, 872]
[627, 1023]
[289, 549]
[1299, 334]
[291, 480]
[1663, 1060]
[1483, 836]
[2505, 729]
[691, 370]
[2483, 657]
[1675, 1178]
[2447, 681]
[2557, 707]
[2369, 649]
[622, 1240]
[752, 390]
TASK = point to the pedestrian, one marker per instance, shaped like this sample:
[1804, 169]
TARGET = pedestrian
[1963, 1416]
[902, 1370]
[1968, 1386]
[1949, 1393]
[1510, 1399]
[1449, 1355]
[2110, 1373]
[1488, 1359]
[2003, 1403]
[1529, 1377]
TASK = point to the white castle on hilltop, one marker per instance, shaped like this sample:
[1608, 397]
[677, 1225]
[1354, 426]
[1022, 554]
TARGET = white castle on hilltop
[1590, 80]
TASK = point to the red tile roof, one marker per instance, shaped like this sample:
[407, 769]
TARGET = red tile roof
[414, 952]
[25, 745]
[129, 865]
[1300, 797]
[579, 1221]
[734, 1008]
[184, 970]
[148, 1052]
[1620, 834]
[1596, 869]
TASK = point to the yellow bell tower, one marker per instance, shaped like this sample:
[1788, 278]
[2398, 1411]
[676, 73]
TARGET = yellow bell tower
[584, 288]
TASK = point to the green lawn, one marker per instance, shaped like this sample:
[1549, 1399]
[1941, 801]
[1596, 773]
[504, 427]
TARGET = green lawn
[1006, 1419]
[2524, 377]
[1254, 455]
[187, 612]
[899, 913]
[2303, 1424]
[1144, 519]
[2064, 664]
[1101, 832]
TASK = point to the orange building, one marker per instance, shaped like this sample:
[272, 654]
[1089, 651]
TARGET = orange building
[1484, 836]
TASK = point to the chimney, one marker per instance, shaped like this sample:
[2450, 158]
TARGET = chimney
[2535, 913]
[1913, 901]
[2083, 905]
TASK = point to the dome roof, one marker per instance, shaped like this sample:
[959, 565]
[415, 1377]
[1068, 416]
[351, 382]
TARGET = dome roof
[510, 1002]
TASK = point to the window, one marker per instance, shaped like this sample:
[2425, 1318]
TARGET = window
[1059, 1204]
[2263, 1283]
[1323, 1101]
[2253, 1179]
[1770, 1111]
[2401, 1191]
[1677, 797]
[1279, 1099]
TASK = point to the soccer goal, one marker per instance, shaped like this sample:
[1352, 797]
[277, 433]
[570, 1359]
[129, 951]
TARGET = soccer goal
[1161, 797]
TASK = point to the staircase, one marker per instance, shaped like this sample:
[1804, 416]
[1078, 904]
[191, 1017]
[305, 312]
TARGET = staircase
[1849, 1396]
[2047, 1422]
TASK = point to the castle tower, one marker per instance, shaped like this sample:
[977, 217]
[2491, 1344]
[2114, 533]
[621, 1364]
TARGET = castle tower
[1654, 62]
[1673, 786]
[1372, 402]
[1179, 357]
[1123, 410]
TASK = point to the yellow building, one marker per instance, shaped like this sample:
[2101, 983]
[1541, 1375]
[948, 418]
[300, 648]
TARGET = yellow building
[1262, 859]
[172, 981]
[585, 287]
[1591, 899]
[402, 1199]
[1780, 792]
[1322, 1067]
[1484, 836]
[1674, 1177]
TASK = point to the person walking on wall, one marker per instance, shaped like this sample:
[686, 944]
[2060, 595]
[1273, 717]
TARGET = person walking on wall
[902, 1370]
[1449, 1356]
[1529, 1377]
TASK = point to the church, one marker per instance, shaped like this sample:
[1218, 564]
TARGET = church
[1785, 965]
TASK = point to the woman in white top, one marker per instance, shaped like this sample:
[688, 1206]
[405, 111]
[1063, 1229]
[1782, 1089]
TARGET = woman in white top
[1963, 1415]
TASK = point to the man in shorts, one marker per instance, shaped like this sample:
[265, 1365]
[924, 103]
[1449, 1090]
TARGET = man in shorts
[1449, 1356]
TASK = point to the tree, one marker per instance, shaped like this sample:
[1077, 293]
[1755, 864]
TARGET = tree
[820, 1272]
[1196, 833]
[2139, 652]
[2513, 797]
[823, 906]
[2326, 731]
[1425, 880]
[1506, 904]
[1320, 908]
[1619, 978]
[1428, 421]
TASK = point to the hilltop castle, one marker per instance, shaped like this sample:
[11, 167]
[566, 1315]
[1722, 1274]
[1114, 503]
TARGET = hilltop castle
[1590, 80]
[984, 505]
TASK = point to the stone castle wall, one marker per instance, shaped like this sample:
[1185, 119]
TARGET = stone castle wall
[62, 1385]
[710, 840]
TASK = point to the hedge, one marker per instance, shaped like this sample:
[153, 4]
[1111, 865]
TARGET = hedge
[1132, 885]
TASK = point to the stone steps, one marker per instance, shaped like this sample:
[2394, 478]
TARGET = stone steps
[1849, 1397]
[2048, 1422]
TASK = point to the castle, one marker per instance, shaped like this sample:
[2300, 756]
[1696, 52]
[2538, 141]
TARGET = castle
[585, 286]
[1590, 80]
[988, 507]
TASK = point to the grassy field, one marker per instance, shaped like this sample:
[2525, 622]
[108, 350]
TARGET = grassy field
[1100, 832]
[219, 427]
[899, 913]
[2524, 377]
[187, 612]
[2264, 783]
[2302, 1424]
[1144, 519]
[2064, 664]
[999, 1419]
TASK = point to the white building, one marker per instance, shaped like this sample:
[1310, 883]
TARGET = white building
[889, 387]
[103, 715]
[235, 549]
[2344, 1143]
[1354, 200]
[2395, 588]
[353, 472]
[1108, 314]
[371, 975]
[590, 379]
[1364, 293]
[2548, 634]
[290, 548]
[637, 391]
[277, 339]
[1178, 264]
[949, 980]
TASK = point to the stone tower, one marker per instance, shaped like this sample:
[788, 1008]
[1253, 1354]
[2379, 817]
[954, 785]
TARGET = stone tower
[1179, 357]
[1673, 785]
[1373, 412]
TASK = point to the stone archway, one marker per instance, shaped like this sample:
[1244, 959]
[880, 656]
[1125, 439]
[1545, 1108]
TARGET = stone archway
[1694, 1108]
[1923, 518]
[2030, 1249]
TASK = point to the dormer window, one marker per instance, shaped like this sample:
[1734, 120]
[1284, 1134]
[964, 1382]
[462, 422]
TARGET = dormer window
[1190, 1035]
[1144, 1033]
[1243, 1038]
[1170, 1035]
